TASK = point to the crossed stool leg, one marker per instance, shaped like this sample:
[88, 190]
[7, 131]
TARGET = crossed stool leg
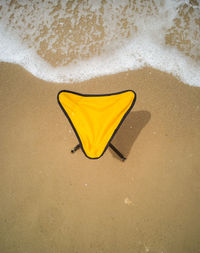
[110, 145]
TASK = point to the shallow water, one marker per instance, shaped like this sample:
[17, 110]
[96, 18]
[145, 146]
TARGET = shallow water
[68, 41]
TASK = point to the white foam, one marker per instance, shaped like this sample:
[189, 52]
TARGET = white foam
[144, 47]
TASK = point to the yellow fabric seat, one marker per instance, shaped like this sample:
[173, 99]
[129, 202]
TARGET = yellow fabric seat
[96, 118]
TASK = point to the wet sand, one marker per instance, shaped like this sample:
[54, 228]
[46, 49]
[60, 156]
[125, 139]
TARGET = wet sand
[54, 201]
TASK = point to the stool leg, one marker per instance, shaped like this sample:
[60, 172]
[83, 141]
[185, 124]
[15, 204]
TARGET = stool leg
[75, 148]
[117, 152]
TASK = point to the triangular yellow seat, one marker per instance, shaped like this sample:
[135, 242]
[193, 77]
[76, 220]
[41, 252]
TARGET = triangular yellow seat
[96, 118]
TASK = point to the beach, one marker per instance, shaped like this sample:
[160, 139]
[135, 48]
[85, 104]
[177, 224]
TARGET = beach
[54, 201]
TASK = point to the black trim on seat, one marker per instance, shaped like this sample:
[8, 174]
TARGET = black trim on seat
[96, 95]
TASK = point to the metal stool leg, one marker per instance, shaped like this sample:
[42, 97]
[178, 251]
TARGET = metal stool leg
[75, 148]
[117, 152]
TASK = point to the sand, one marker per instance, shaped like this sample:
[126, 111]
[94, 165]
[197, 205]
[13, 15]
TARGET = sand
[54, 201]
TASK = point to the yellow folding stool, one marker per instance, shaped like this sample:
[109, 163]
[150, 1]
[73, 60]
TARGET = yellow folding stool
[95, 119]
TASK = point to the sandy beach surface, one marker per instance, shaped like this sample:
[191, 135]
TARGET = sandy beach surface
[52, 201]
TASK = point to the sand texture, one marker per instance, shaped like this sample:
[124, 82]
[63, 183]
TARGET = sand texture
[52, 201]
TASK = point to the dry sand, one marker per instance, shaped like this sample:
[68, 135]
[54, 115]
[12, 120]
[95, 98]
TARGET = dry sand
[54, 201]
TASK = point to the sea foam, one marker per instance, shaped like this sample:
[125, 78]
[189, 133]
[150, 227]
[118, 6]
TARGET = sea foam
[72, 41]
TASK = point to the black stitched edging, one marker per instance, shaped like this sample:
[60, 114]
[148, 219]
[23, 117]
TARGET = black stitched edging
[96, 95]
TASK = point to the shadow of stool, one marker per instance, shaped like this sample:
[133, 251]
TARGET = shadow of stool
[129, 131]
